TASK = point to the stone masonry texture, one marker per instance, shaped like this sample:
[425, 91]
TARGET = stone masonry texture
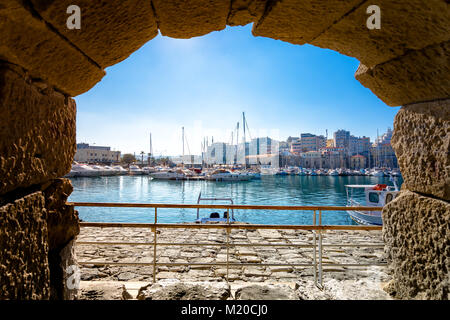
[416, 232]
[24, 271]
[37, 131]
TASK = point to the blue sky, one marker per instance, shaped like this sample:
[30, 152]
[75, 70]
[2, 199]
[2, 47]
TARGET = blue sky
[205, 83]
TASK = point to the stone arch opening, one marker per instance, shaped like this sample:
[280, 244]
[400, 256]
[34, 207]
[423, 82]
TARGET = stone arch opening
[44, 64]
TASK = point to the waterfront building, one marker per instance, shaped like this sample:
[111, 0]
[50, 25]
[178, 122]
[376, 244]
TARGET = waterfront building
[311, 159]
[216, 153]
[357, 162]
[382, 154]
[96, 154]
[342, 139]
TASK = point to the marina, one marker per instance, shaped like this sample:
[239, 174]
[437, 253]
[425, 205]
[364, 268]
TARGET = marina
[269, 190]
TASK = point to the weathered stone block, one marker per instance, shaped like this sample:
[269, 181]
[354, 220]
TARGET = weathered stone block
[37, 131]
[421, 141]
[24, 272]
[243, 12]
[300, 21]
[62, 220]
[110, 30]
[416, 231]
[28, 41]
[415, 77]
[190, 18]
[410, 25]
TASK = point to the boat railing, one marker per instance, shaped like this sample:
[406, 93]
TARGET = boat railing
[317, 228]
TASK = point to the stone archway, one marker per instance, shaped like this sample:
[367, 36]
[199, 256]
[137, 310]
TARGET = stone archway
[43, 64]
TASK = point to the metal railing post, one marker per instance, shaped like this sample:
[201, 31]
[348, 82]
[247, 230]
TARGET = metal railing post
[320, 251]
[315, 250]
[154, 247]
[228, 245]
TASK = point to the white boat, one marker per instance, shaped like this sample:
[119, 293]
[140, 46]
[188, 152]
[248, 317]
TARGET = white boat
[374, 196]
[119, 170]
[226, 175]
[333, 173]
[135, 170]
[108, 171]
[169, 174]
[377, 173]
[84, 170]
[149, 170]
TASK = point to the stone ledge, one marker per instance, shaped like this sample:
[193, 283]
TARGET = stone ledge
[301, 21]
[404, 27]
[28, 41]
[110, 30]
[415, 77]
[185, 19]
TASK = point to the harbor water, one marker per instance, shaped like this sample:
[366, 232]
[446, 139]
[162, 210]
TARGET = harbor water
[269, 190]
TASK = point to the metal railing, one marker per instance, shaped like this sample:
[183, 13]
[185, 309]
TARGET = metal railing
[317, 229]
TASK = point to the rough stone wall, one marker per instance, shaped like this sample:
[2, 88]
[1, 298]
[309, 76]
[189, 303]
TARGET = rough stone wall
[37, 145]
[416, 231]
[421, 141]
[416, 225]
[37, 131]
[24, 270]
[404, 63]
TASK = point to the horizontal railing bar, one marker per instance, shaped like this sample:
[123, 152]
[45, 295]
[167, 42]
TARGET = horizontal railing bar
[218, 206]
[224, 244]
[227, 226]
[194, 264]
[230, 264]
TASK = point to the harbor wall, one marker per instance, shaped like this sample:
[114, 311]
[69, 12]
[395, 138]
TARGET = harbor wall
[44, 64]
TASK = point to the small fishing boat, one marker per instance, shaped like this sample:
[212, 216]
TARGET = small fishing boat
[215, 217]
[375, 196]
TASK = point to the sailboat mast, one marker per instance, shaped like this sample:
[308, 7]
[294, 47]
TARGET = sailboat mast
[245, 149]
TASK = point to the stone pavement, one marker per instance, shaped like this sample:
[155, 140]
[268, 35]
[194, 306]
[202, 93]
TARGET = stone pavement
[195, 253]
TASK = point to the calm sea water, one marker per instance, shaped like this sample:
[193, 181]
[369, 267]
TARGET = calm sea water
[270, 190]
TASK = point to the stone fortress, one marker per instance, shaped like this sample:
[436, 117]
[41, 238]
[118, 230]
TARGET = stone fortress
[43, 64]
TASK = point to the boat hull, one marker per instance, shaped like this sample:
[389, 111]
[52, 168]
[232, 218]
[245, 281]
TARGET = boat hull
[368, 219]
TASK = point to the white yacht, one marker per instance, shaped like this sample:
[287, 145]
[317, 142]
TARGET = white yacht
[170, 174]
[84, 170]
[149, 170]
[135, 170]
[374, 196]
[119, 170]
[226, 175]
[377, 173]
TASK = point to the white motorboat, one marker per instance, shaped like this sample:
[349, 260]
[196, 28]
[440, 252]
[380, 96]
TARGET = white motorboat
[84, 170]
[169, 174]
[226, 175]
[135, 170]
[149, 170]
[333, 173]
[119, 170]
[108, 171]
[374, 196]
[377, 173]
